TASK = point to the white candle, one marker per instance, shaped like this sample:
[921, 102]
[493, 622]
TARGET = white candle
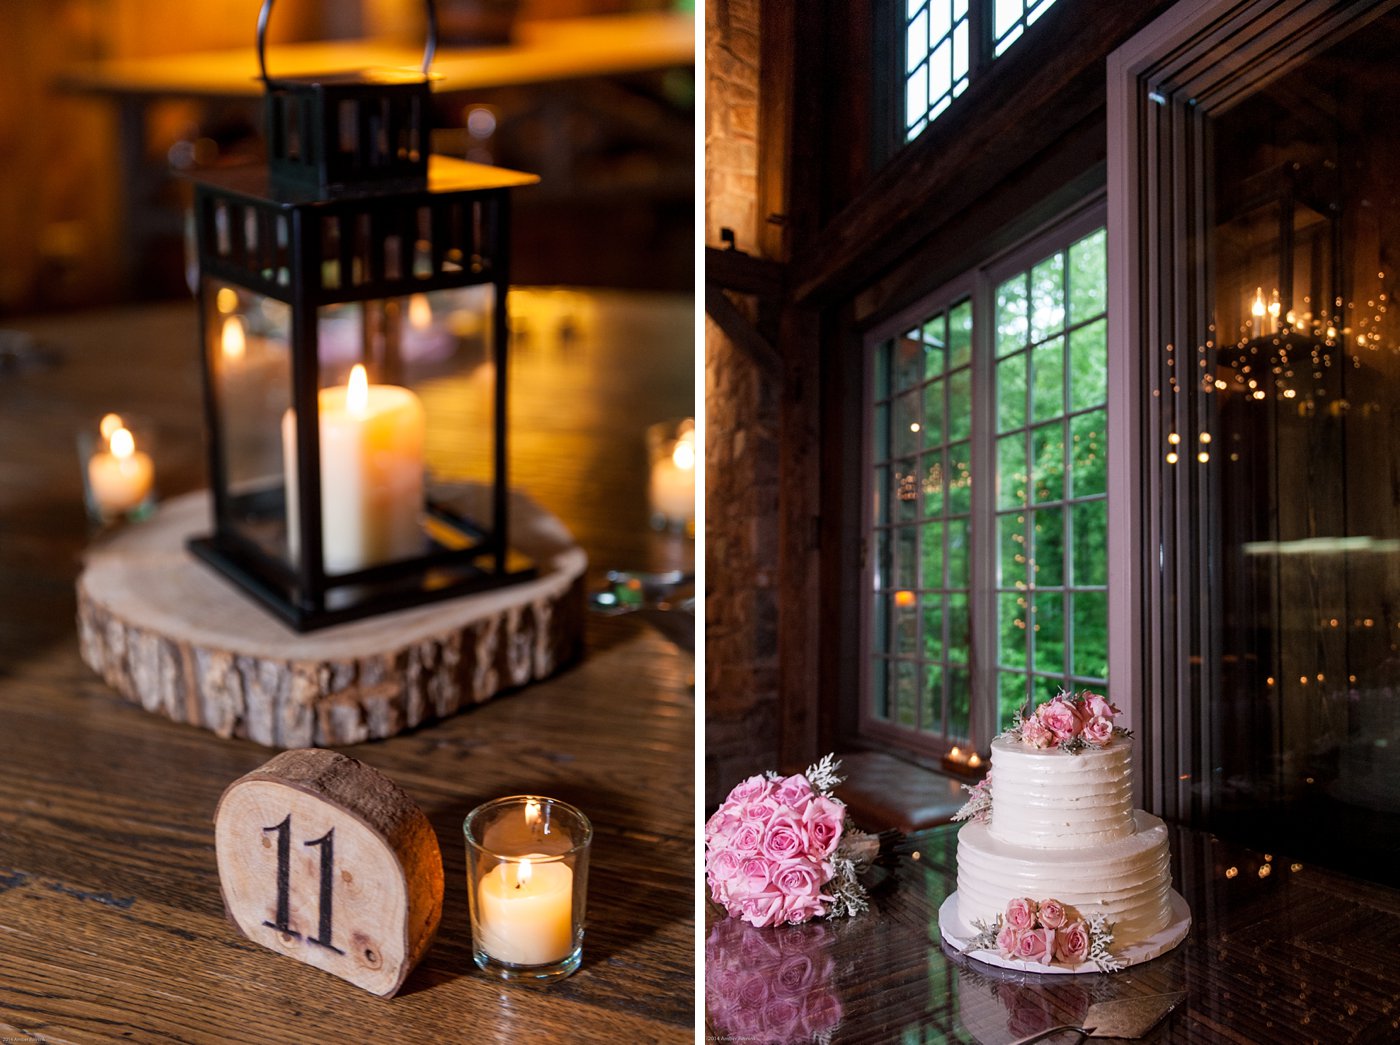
[525, 911]
[371, 474]
[121, 477]
[673, 482]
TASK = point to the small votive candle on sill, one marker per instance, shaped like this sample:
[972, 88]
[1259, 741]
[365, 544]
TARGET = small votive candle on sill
[671, 451]
[527, 883]
[119, 477]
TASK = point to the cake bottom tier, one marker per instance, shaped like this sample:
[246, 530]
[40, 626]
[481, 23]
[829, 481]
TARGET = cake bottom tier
[1128, 880]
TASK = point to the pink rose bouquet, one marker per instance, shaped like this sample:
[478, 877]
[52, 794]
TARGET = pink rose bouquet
[1070, 721]
[779, 851]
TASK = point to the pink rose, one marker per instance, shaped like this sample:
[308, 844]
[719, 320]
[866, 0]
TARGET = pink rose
[1098, 731]
[795, 976]
[1020, 913]
[1097, 706]
[825, 818]
[794, 792]
[759, 811]
[763, 910]
[1052, 914]
[798, 877]
[1059, 718]
[799, 909]
[720, 866]
[1036, 945]
[1035, 733]
[784, 838]
[1006, 940]
[753, 876]
[746, 839]
[754, 787]
[780, 1020]
[1072, 943]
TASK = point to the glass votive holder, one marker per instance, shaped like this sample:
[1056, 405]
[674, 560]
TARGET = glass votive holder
[527, 881]
[671, 487]
[118, 469]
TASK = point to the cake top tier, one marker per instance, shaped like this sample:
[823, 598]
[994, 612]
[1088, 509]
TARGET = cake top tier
[1050, 798]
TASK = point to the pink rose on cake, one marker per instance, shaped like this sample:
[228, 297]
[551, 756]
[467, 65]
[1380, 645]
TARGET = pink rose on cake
[1059, 718]
[1052, 914]
[1098, 731]
[1036, 945]
[1037, 734]
[1072, 943]
[1020, 913]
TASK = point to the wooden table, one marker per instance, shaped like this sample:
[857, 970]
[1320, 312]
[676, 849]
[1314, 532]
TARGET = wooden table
[111, 923]
[1295, 954]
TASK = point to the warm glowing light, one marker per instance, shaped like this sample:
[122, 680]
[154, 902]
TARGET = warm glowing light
[123, 444]
[1205, 437]
[1172, 458]
[109, 424]
[1232, 872]
[1269, 681]
[1292, 318]
[1331, 331]
[1220, 384]
[1259, 393]
[1268, 858]
[357, 392]
[974, 760]
[683, 456]
[1295, 868]
[1173, 438]
[1265, 870]
[523, 873]
[1289, 393]
[1274, 307]
[226, 300]
[914, 426]
[233, 340]
[532, 812]
[420, 312]
[956, 754]
[904, 599]
[1203, 456]
[1258, 307]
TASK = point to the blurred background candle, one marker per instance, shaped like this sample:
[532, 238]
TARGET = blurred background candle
[671, 449]
[371, 474]
[121, 476]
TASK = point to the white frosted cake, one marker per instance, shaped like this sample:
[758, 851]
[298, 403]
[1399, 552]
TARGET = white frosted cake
[1062, 825]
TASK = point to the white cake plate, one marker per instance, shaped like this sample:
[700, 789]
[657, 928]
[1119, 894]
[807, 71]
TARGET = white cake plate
[958, 935]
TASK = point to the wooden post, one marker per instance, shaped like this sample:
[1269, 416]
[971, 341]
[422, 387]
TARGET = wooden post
[328, 861]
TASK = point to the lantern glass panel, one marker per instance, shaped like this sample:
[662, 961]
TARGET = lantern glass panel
[251, 364]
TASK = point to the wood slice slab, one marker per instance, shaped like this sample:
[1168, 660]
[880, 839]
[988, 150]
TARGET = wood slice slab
[327, 861]
[167, 632]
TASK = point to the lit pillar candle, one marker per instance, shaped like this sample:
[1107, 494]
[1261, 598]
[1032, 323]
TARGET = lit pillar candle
[371, 474]
[525, 911]
[120, 477]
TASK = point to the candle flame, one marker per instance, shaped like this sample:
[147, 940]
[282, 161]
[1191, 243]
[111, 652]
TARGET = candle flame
[683, 455]
[523, 873]
[974, 761]
[357, 393]
[123, 444]
[1258, 307]
[420, 312]
[109, 424]
[234, 341]
[226, 300]
[532, 812]
[955, 754]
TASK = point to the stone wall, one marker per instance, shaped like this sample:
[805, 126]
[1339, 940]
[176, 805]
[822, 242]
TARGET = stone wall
[741, 445]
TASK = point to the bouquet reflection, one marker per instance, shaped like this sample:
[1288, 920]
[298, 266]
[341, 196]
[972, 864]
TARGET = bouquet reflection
[773, 985]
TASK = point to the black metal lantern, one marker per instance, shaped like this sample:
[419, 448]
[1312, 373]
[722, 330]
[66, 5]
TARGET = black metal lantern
[353, 325]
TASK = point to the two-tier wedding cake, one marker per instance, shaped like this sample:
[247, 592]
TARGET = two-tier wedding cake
[1056, 867]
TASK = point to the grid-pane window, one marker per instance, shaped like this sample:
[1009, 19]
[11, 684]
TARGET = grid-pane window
[1051, 489]
[922, 534]
[936, 59]
[1011, 18]
[1014, 376]
[945, 43]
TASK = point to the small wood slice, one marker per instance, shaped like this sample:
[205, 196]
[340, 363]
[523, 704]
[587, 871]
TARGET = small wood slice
[169, 633]
[327, 861]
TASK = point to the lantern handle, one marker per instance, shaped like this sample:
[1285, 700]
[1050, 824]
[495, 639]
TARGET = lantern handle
[429, 46]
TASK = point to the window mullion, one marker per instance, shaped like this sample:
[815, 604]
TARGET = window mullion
[985, 534]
